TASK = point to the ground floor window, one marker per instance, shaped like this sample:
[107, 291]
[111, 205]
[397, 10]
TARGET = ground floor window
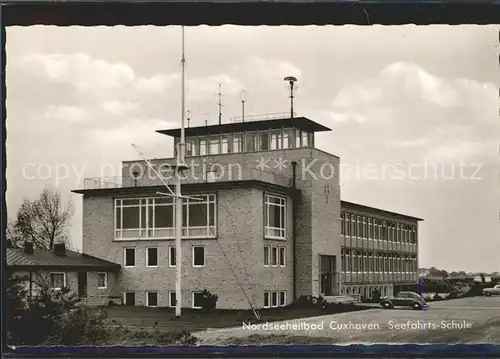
[282, 298]
[58, 280]
[102, 280]
[274, 299]
[267, 303]
[151, 299]
[197, 300]
[129, 298]
[172, 299]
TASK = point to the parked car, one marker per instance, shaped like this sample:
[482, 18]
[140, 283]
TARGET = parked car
[492, 291]
[404, 299]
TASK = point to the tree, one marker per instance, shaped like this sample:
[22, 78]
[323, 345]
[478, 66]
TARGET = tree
[13, 236]
[44, 221]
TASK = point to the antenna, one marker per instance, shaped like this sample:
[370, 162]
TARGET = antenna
[220, 104]
[243, 98]
[188, 117]
[291, 87]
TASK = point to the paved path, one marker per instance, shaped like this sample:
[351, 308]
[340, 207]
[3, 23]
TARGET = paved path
[470, 320]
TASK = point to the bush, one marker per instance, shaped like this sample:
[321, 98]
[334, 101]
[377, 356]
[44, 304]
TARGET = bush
[209, 300]
[308, 301]
[51, 317]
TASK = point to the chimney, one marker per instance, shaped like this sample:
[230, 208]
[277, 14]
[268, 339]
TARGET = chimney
[28, 247]
[60, 249]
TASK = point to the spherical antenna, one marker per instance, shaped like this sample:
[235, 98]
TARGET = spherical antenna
[292, 88]
[243, 96]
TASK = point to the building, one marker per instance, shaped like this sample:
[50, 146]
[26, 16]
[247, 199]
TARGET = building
[91, 278]
[270, 227]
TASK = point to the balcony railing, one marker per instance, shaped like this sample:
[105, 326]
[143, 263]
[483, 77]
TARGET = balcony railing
[191, 176]
[102, 182]
[262, 117]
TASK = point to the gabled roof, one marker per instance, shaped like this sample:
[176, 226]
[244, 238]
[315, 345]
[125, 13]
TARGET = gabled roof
[43, 258]
[301, 123]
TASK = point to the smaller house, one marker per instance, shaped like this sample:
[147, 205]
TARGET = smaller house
[91, 278]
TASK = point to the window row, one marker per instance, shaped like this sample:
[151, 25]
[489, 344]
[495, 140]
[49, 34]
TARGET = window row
[366, 292]
[58, 280]
[352, 225]
[154, 218]
[273, 299]
[378, 262]
[253, 141]
[152, 299]
[152, 256]
[274, 256]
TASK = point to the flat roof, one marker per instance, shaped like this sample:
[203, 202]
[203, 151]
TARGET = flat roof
[377, 210]
[189, 187]
[301, 123]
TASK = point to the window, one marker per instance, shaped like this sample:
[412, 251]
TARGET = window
[58, 280]
[274, 299]
[267, 255]
[151, 299]
[282, 302]
[267, 302]
[102, 280]
[274, 217]
[151, 218]
[129, 298]
[198, 256]
[264, 140]
[287, 143]
[305, 139]
[297, 139]
[343, 260]
[129, 257]
[276, 137]
[203, 147]
[250, 141]
[282, 256]
[274, 256]
[224, 148]
[214, 145]
[152, 257]
[364, 233]
[342, 229]
[172, 301]
[171, 257]
[370, 229]
[237, 143]
[347, 221]
[190, 147]
[196, 300]
[360, 230]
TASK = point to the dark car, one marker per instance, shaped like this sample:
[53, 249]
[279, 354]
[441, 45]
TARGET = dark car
[404, 299]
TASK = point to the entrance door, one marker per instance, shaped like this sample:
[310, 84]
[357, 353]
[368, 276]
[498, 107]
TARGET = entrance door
[82, 284]
[328, 275]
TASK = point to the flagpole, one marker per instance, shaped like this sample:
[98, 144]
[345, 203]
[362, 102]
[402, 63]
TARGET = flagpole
[178, 199]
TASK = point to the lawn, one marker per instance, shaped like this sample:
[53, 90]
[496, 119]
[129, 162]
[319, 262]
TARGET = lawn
[191, 320]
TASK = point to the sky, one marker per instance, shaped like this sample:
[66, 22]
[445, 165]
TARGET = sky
[413, 109]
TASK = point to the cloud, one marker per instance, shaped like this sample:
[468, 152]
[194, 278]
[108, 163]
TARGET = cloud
[418, 112]
[79, 69]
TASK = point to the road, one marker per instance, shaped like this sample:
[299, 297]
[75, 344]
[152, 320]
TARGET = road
[466, 320]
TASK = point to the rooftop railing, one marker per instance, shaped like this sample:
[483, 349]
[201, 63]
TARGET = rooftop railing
[190, 176]
[262, 117]
[102, 182]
